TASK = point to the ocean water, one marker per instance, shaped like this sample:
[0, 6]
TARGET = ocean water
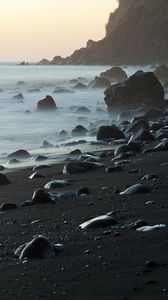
[22, 127]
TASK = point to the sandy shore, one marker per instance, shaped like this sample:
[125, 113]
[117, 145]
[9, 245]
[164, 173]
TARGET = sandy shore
[114, 267]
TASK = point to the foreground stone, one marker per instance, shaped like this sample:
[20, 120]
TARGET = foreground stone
[80, 167]
[135, 189]
[39, 247]
[98, 222]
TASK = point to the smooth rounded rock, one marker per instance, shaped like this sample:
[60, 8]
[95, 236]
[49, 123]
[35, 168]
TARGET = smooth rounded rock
[136, 189]
[39, 247]
[8, 206]
[41, 196]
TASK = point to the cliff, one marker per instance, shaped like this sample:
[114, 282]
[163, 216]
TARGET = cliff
[136, 33]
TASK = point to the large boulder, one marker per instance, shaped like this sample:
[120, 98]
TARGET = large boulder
[21, 154]
[141, 90]
[47, 103]
[116, 74]
[109, 132]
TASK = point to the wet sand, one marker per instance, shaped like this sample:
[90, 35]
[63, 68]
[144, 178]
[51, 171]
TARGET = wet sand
[114, 267]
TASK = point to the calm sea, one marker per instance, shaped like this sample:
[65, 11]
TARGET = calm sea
[22, 127]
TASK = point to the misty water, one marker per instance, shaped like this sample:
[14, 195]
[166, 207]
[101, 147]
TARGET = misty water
[22, 127]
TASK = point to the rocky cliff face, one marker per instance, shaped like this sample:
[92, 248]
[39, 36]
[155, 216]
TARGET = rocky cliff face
[136, 33]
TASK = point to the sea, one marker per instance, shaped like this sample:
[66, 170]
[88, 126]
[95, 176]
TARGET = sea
[23, 127]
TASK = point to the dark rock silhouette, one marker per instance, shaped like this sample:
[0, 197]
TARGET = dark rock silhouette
[115, 74]
[141, 90]
[47, 103]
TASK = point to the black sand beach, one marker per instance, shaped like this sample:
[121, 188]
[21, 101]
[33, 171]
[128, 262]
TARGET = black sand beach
[103, 263]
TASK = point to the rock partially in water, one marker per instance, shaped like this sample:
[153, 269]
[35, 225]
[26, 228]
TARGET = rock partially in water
[53, 184]
[151, 228]
[109, 132]
[63, 134]
[100, 83]
[46, 144]
[4, 179]
[136, 189]
[80, 86]
[82, 110]
[122, 149]
[40, 158]
[47, 103]
[13, 161]
[79, 130]
[142, 89]
[39, 247]
[80, 167]
[18, 97]
[63, 91]
[75, 152]
[19, 154]
[98, 222]
[115, 74]
[39, 167]
[8, 206]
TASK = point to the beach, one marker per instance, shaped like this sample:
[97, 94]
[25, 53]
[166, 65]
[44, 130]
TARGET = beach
[111, 262]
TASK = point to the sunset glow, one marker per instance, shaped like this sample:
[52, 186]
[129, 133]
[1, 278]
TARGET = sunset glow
[31, 30]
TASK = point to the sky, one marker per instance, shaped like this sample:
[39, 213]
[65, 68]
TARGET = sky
[34, 29]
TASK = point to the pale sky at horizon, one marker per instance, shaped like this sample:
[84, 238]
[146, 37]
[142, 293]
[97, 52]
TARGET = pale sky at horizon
[35, 29]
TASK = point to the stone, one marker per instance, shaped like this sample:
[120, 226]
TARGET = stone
[79, 86]
[37, 174]
[151, 228]
[63, 91]
[41, 196]
[142, 89]
[109, 132]
[4, 179]
[79, 130]
[122, 149]
[113, 169]
[39, 247]
[84, 190]
[82, 110]
[53, 184]
[47, 103]
[99, 82]
[39, 167]
[8, 206]
[136, 189]
[18, 97]
[98, 222]
[46, 144]
[75, 152]
[19, 154]
[40, 158]
[115, 74]
[80, 167]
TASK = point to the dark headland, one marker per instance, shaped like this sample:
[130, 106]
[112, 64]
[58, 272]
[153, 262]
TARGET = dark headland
[136, 33]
